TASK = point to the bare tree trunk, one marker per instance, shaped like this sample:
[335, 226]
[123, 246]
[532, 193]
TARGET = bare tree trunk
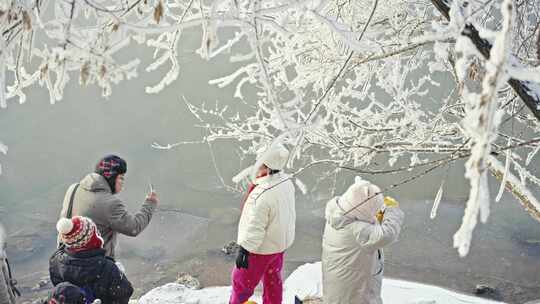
[522, 88]
[538, 46]
[6, 294]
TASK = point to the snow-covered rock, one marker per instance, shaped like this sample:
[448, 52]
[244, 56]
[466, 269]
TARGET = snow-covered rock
[306, 282]
[174, 293]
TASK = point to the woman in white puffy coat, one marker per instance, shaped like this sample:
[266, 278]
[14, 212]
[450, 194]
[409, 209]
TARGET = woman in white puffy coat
[352, 258]
[266, 230]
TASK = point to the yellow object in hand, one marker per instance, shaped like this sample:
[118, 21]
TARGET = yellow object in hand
[250, 302]
[390, 202]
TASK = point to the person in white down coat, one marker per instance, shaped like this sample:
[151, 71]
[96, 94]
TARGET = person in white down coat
[358, 225]
[266, 230]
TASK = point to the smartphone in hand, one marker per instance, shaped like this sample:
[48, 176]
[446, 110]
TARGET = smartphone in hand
[152, 196]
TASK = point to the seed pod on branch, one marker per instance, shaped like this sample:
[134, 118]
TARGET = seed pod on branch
[158, 12]
[26, 21]
[102, 71]
[85, 73]
[43, 72]
[474, 71]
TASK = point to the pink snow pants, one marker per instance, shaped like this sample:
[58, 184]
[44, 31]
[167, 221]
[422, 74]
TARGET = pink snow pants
[265, 267]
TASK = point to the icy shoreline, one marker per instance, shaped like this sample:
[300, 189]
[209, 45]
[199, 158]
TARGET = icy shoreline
[306, 283]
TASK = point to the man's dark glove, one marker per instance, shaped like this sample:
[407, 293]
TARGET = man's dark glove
[242, 258]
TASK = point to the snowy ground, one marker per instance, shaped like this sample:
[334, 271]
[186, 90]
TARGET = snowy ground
[305, 282]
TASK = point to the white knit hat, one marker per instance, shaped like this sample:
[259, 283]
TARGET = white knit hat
[356, 200]
[275, 157]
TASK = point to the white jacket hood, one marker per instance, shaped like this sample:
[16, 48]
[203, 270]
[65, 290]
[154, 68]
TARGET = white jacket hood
[335, 215]
[362, 200]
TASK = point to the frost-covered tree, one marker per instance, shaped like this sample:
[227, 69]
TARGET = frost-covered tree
[420, 84]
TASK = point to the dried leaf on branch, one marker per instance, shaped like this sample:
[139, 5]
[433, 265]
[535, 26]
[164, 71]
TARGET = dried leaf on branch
[27, 21]
[85, 73]
[158, 12]
[102, 71]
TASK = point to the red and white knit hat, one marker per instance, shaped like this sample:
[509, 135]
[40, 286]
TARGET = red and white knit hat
[79, 234]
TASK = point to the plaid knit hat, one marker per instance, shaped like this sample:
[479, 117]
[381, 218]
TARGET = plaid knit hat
[110, 167]
[79, 234]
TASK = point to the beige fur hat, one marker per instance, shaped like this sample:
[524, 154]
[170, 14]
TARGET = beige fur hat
[362, 199]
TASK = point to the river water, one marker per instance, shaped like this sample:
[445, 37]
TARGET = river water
[52, 146]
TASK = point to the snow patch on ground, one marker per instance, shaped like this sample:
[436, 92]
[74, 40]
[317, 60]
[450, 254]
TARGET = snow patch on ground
[306, 282]
[174, 293]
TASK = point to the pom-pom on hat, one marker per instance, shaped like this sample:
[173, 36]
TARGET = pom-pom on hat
[79, 234]
[362, 200]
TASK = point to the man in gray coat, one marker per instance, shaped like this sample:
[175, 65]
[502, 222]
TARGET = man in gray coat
[94, 197]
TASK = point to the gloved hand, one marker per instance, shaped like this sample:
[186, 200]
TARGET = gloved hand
[390, 202]
[242, 258]
[380, 216]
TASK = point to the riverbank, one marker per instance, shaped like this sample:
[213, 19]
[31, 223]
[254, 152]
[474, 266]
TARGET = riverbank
[504, 255]
[305, 283]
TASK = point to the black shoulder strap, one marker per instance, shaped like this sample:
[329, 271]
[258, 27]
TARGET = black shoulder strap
[70, 207]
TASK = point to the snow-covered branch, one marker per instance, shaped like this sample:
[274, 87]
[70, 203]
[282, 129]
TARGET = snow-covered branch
[481, 124]
[528, 91]
[516, 187]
